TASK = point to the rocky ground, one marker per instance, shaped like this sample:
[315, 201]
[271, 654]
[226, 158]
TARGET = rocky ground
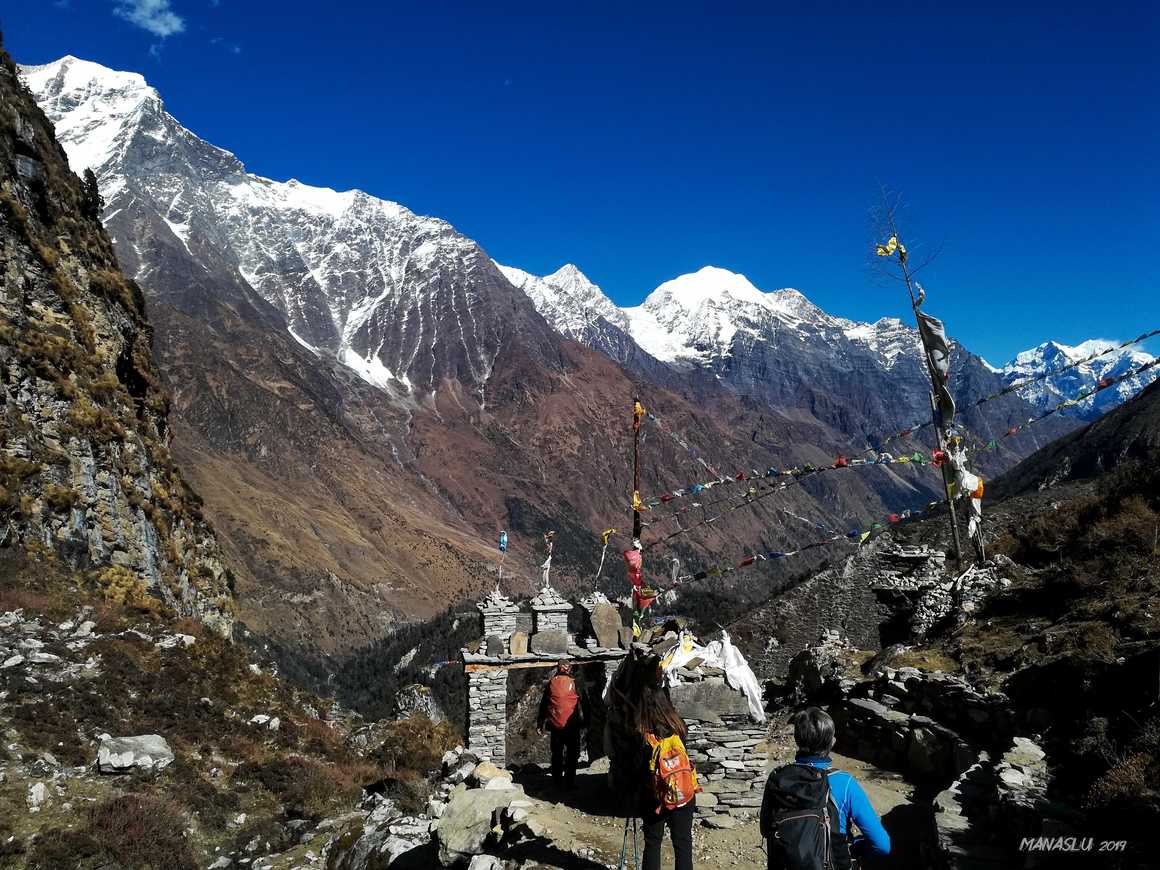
[490, 818]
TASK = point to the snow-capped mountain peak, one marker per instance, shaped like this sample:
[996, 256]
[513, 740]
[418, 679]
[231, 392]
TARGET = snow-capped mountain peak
[89, 104]
[401, 299]
[567, 299]
[709, 284]
[1052, 356]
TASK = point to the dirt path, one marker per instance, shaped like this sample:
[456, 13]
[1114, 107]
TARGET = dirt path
[587, 836]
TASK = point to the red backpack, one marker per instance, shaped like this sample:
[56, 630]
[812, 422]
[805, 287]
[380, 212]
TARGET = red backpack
[562, 700]
[674, 778]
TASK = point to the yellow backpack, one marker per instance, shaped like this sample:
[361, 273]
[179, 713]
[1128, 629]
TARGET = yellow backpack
[674, 777]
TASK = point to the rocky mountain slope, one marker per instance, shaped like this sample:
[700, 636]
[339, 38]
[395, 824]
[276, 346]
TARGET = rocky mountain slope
[365, 398]
[1128, 435]
[1052, 356]
[953, 676]
[87, 474]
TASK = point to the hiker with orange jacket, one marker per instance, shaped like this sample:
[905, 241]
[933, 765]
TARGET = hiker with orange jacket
[564, 713]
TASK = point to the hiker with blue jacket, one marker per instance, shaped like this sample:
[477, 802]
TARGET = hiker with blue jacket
[807, 808]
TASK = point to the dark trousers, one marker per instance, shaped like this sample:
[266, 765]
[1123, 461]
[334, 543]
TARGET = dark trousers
[566, 751]
[680, 823]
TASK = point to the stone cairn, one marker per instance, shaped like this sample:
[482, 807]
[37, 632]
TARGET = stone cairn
[550, 622]
[500, 620]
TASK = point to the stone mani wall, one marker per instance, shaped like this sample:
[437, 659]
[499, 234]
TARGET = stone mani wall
[487, 714]
[722, 744]
[730, 769]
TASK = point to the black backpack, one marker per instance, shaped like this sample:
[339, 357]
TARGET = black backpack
[799, 820]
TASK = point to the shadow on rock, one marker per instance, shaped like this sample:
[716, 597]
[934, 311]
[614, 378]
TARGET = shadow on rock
[908, 825]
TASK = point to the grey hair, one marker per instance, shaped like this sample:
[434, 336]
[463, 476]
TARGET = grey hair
[813, 730]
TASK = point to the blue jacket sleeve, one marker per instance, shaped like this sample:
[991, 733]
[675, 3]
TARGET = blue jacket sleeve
[867, 820]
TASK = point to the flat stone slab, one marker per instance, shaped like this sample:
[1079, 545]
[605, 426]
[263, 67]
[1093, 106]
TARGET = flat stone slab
[606, 625]
[549, 642]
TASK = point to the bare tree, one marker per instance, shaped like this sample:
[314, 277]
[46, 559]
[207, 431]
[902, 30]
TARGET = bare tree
[891, 218]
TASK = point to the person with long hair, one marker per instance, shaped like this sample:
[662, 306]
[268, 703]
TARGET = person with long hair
[657, 719]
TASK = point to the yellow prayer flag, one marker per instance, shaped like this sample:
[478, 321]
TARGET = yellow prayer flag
[607, 533]
[864, 536]
[892, 245]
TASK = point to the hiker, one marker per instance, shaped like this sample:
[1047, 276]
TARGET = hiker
[669, 798]
[803, 798]
[563, 712]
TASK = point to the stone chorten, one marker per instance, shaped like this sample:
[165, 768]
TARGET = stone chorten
[550, 611]
[499, 615]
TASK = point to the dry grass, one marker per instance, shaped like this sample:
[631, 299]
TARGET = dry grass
[131, 831]
[925, 660]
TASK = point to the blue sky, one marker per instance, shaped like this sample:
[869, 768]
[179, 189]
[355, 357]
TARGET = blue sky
[642, 144]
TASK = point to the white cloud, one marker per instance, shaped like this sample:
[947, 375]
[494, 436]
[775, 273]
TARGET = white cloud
[156, 16]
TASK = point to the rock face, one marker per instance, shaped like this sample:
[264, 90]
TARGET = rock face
[994, 807]
[148, 753]
[466, 824]
[87, 472]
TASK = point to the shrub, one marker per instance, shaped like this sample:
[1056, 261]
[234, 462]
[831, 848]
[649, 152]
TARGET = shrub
[94, 423]
[415, 744]
[106, 388]
[307, 789]
[122, 587]
[140, 831]
[59, 498]
[55, 848]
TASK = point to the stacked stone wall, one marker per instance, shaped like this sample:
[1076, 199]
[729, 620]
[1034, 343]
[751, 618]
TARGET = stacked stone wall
[552, 620]
[730, 767]
[487, 714]
[501, 624]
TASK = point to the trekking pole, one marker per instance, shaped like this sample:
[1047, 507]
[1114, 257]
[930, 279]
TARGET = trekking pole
[620, 864]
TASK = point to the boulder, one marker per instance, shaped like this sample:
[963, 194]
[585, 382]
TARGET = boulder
[485, 862]
[466, 823]
[550, 642]
[373, 848]
[606, 625]
[518, 643]
[485, 772]
[36, 795]
[147, 752]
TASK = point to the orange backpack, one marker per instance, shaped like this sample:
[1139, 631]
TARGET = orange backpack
[562, 700]
[673, 774]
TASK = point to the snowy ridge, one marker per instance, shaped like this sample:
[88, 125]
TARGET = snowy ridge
[695, 319]
[1052, 356]
[567, 299]
[390, 294]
